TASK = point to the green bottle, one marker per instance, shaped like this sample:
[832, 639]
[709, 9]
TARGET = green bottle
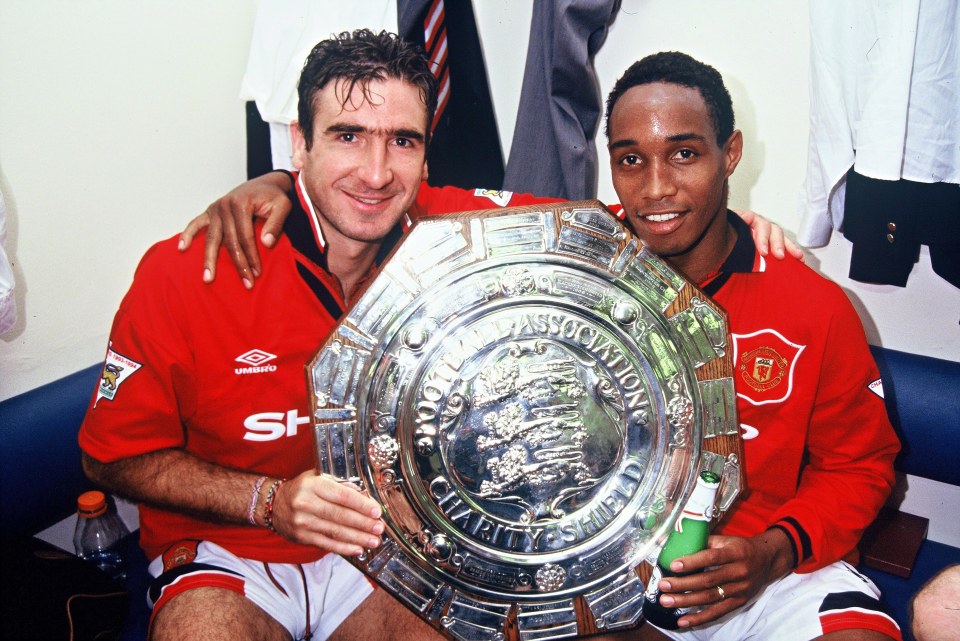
[689, 535]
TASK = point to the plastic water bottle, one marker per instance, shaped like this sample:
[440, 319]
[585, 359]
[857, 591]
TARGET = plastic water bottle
[98, 537]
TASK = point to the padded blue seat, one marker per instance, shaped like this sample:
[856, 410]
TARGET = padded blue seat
[898, 591]
[42, 476]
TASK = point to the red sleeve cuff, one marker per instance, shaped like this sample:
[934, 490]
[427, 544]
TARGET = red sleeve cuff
[798, 537]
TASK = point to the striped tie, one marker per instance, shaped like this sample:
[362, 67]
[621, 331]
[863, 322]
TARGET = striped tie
[435, 42]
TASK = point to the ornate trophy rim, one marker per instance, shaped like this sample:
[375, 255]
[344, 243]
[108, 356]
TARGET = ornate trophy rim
[530, 395]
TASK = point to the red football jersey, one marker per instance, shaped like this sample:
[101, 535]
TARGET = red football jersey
[218, 370]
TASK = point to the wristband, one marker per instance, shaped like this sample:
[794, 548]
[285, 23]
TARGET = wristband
[268, 504]
[254, 500]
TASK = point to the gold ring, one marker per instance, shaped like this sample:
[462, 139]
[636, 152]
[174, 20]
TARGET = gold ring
[723, 595]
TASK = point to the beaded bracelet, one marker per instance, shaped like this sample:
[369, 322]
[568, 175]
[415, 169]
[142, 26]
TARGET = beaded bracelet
[254, 500]
[268, 504]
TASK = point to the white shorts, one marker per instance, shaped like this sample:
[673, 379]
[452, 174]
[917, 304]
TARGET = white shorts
[315, 597]
[800, 607]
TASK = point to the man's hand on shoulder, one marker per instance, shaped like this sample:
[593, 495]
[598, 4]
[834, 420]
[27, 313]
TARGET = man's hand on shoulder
[315, 509]
[740, 567]
[768, 236]
[229, 222]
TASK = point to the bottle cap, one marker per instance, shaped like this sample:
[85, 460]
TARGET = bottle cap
[709, 478]
[91, 504]
[700, 505]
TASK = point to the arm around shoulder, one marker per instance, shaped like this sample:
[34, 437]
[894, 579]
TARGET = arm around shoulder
[229, 223]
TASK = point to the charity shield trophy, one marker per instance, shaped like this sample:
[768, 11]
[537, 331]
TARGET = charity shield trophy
[530, 395]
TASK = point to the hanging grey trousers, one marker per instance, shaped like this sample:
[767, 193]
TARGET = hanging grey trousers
[552, 153]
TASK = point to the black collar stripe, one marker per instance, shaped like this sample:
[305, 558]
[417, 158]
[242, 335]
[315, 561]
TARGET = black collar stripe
[312, 260]
[740, 259]
[321, 291]
[298, 229]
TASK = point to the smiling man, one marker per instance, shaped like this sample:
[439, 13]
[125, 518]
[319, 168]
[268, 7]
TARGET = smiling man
[360, 150]
[671, 172]
[207, 421]
[819, 449]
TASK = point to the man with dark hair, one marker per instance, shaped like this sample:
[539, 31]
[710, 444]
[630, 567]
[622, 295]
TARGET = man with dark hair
[358, 61]
[207, 424]
[676, 68]
[819, 448]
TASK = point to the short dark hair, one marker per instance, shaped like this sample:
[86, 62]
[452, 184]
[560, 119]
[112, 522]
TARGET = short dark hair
[359, 57]
[679, 69]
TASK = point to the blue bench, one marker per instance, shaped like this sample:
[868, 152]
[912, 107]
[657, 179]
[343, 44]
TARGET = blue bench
[922, 395]
[42, 477]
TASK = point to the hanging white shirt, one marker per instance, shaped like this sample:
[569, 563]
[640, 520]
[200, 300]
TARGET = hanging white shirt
[284, 33]
[884, 99]
[8, 304]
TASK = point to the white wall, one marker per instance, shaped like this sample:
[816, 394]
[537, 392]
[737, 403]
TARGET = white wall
[762, 49]
[120, 120]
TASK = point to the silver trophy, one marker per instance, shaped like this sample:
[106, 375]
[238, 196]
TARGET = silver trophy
[530, 395]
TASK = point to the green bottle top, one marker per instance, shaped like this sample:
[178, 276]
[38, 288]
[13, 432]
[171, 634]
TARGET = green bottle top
[693, 527]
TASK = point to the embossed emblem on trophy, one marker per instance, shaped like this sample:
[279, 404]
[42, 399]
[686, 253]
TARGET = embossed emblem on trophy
[530, 395]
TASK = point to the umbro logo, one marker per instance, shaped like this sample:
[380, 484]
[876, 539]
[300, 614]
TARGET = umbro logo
[256, 360]
[255, 357]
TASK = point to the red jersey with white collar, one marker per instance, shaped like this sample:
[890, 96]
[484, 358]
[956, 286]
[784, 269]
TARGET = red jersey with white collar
[819, 447]
[218, 370]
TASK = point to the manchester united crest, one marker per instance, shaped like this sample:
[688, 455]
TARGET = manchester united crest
[179, 554]
[765, 362]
